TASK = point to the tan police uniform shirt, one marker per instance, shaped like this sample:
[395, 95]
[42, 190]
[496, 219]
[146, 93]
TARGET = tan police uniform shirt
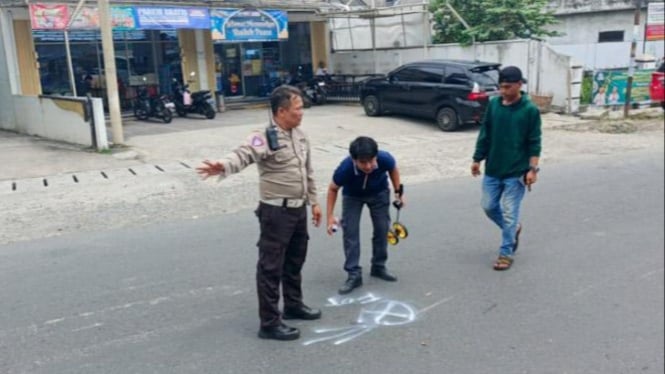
[284, 173]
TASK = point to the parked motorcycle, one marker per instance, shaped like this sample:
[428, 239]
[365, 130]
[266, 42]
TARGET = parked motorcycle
[146, 106]
[299, 81]
[200, 102]
[316, 90]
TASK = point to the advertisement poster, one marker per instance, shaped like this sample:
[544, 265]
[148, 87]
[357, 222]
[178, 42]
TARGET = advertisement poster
[249, 25]
[49, 16]
[159, 18]
[123, 18]
[87, 18]
[609, 87]
[655, 25]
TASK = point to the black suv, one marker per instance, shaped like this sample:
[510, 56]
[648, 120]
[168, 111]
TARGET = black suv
[453, 92]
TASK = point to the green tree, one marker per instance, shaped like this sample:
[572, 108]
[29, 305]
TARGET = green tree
[491, 20]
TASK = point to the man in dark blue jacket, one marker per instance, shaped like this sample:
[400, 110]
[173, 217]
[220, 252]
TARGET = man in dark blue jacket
[363, 177]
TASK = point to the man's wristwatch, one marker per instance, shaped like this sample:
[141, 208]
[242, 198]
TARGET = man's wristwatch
[534, 169]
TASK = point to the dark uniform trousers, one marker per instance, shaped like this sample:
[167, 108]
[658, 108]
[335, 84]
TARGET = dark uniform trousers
[282, 251]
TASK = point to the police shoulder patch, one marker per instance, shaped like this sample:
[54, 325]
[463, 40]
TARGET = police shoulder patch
[257, 141]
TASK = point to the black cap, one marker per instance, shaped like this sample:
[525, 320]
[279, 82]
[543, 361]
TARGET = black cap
[511, 74]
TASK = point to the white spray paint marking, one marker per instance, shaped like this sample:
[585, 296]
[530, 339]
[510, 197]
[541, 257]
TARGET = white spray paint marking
[54, 321]
[382, 312]
[340, 300]
[159, 300]
[442, 301]
[88, 327]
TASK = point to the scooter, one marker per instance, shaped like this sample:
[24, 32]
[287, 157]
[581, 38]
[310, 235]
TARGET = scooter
[307, 91]
[316, 90]
[146, 106]
[200, 102]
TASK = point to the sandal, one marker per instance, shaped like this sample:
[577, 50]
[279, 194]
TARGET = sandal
[503, 263]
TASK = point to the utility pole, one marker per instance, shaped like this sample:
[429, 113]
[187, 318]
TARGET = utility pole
[631, 67]
[110, 75]
[466, 26]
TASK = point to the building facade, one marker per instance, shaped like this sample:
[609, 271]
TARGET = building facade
[599, 33]
[239, 52]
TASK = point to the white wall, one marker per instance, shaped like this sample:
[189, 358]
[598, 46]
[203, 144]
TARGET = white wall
[59, 119]
[581, 30]
[7, 116]
[584, 27]
[596, 56]
[391, 32]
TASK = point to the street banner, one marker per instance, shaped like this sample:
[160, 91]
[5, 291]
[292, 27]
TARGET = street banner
[123, 18]
[609, 87]
[249, 25]
[87, 18]
[655, 25]
[49, 16]
[168, 18]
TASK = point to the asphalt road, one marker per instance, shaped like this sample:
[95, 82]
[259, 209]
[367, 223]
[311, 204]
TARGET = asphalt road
[585, 294]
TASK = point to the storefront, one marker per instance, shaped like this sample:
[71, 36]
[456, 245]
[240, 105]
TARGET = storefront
[257, 50]
[142, 58]
[240, 53]
[146, 47]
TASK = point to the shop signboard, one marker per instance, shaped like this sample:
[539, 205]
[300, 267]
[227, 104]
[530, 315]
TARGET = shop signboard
[609, 87]
[160, 18]
[49, 16]
[56, 17]
[249, 25]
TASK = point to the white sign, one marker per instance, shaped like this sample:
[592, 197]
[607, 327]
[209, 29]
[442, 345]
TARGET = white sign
[656, 14]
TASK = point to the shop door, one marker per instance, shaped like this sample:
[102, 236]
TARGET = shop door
[252, 68]
[231, 78]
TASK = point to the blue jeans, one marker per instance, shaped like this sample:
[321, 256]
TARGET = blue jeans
[352, 207]
[501, 202]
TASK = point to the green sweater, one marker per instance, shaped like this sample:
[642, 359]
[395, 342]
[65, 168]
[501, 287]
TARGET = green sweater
[509, 136]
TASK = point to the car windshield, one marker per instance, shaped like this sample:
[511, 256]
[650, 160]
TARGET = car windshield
[486, 75]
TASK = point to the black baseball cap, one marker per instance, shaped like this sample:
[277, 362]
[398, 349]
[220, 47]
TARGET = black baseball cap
[511, 74]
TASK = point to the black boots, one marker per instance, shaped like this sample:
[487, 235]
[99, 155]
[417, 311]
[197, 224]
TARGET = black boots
[279, 332]
[303, 312]
[354, 281]
[383, 273]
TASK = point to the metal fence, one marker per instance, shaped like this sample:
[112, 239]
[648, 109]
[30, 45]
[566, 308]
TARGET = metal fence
[346, 87]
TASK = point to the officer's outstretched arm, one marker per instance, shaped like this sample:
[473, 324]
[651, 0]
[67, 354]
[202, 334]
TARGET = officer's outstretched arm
[253, 150]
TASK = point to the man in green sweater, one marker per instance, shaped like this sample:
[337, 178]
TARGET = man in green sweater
[509, 142]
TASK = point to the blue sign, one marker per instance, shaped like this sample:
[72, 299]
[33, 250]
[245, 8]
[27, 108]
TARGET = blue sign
[249, 25]
[166, 18]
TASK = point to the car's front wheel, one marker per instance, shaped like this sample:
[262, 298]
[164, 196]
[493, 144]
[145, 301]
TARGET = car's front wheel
[372, 106]
[446, 119]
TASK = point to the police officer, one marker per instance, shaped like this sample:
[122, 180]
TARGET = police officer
[286, 187]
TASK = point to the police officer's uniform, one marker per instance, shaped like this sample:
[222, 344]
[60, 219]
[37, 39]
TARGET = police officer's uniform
[286, 187]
